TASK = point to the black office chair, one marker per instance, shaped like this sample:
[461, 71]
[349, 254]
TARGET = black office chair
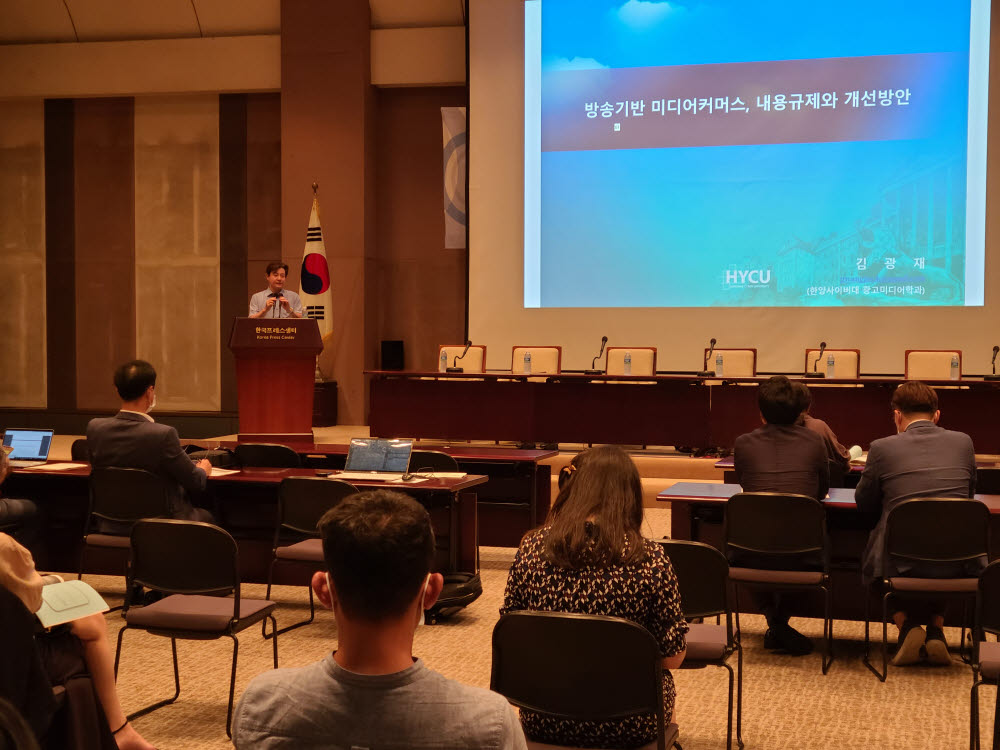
[784, 535]
[119, 498]
[986, 654]
[988, 480]
[78, 450]
[269, 455]
[566, 664]
[932, 531]
[302, 501]
[703, 579]
[197, 565]
[432, 461]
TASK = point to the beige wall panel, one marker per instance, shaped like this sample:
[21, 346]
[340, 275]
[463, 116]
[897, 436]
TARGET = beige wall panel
[22, 247]
[158, 66]
[177, 247]
[418, 57]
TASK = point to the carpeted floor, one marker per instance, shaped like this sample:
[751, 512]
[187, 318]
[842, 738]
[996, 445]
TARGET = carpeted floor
[788, 705]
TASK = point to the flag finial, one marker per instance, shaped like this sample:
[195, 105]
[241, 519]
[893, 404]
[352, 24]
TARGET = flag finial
[315, 187]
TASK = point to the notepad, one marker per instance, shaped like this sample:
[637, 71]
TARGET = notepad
[67, 601]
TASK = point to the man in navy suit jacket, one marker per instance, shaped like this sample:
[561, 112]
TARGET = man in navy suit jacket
[132, 440]
[921, 460]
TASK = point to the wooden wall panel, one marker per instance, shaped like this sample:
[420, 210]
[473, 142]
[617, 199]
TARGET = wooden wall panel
[104, 220]
[263, 165]
[415, 271]
[327, 136]
[60, 256]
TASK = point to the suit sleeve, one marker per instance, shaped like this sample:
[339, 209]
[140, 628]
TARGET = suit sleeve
[824, 469]
[738, 456]
[868, 494]
[179, 465]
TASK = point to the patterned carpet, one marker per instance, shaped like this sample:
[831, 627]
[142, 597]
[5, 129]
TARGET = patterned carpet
[788, 703]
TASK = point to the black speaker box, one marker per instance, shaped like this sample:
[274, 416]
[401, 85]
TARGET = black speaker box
[392, 355]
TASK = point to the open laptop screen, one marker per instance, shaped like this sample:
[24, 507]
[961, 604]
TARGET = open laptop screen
[28, 445]
[375, 454]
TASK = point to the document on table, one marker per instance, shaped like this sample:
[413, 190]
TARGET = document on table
[56, 467]
[217, 472]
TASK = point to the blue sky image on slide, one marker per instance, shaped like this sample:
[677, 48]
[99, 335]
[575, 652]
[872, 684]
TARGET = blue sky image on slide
[835, 223]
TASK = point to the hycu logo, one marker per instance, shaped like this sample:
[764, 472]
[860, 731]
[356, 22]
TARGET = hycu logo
[756, 277]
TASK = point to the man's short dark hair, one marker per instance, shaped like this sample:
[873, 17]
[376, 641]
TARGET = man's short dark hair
[804, 395]
[378, 547]
[133, 378]
[914, 397]
[778, 401]
[272, 267]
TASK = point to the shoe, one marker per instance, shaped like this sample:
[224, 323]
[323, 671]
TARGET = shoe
[937, 647]
[787, 639]
[911, 640]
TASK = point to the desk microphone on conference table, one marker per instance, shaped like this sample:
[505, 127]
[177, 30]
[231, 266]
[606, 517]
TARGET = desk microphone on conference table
[816, 373]
[705, 372]
[994, 376]
[454, 365]
[593, 362]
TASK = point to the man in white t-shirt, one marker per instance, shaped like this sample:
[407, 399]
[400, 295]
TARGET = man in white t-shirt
[371, 692]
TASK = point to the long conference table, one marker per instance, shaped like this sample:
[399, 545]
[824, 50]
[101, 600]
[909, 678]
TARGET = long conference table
[680, 410]
[245, 504]
[696, 512]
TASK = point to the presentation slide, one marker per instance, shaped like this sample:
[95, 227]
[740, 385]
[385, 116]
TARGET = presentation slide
[723, 153]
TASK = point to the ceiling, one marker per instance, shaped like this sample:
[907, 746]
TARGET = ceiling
[37, 21]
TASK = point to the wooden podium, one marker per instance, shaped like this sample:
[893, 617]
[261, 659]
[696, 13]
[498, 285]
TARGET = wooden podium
[275, 376]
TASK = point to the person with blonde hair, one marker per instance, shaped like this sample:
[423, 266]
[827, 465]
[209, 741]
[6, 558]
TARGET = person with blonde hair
[590, 557]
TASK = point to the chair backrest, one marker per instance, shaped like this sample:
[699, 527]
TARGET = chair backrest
[545, 360]
[302, 501]
[847, 362]
[702, 577]
[775, 524]
[126, 495]
[643, 360]
[563, 664]
[78, 450]
[432, 461]
[930, 364]
[736, 363]
[268, 455]
[938, 530]
[184, 557]
[988, 599]
[473, 361]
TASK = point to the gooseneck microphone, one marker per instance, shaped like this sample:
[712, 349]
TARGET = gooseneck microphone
[593, 363]
[993, 362]
[706, 373]
[816, 373]
[454, 365]
[276, 307]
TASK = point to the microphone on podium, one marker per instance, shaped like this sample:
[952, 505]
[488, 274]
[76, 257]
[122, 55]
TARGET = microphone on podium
[993, 362]
[593, 370]
[816, 373]
[705, 372]
[454, 365]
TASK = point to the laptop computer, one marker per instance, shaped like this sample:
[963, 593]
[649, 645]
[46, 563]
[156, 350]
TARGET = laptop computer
[377, 458]
[28, 447]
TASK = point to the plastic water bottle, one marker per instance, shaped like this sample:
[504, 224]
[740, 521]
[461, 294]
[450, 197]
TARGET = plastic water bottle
[444, 361]
[954, 367]
[628, 363]
[718, 364]
[831, 366]
[527, 362]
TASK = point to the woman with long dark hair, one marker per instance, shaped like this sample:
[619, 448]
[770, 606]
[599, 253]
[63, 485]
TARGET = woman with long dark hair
[590, 557]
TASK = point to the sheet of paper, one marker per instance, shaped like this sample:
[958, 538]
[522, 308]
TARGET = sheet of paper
[217, 472]
[68, 601]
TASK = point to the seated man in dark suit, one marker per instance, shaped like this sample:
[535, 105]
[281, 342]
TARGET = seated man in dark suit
[781, 456]
[837, 455]
[921, 460]
[132, 440]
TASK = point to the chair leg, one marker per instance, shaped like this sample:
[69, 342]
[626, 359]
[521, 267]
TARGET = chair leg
[118, 650]
[827, 658]
[974, 716]
[267, 595]
[729, 714]
[312, 616]
[867, 661]
[996, 718]
[165, 701]
[274, 638]
[739, 695]
[232, 688]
